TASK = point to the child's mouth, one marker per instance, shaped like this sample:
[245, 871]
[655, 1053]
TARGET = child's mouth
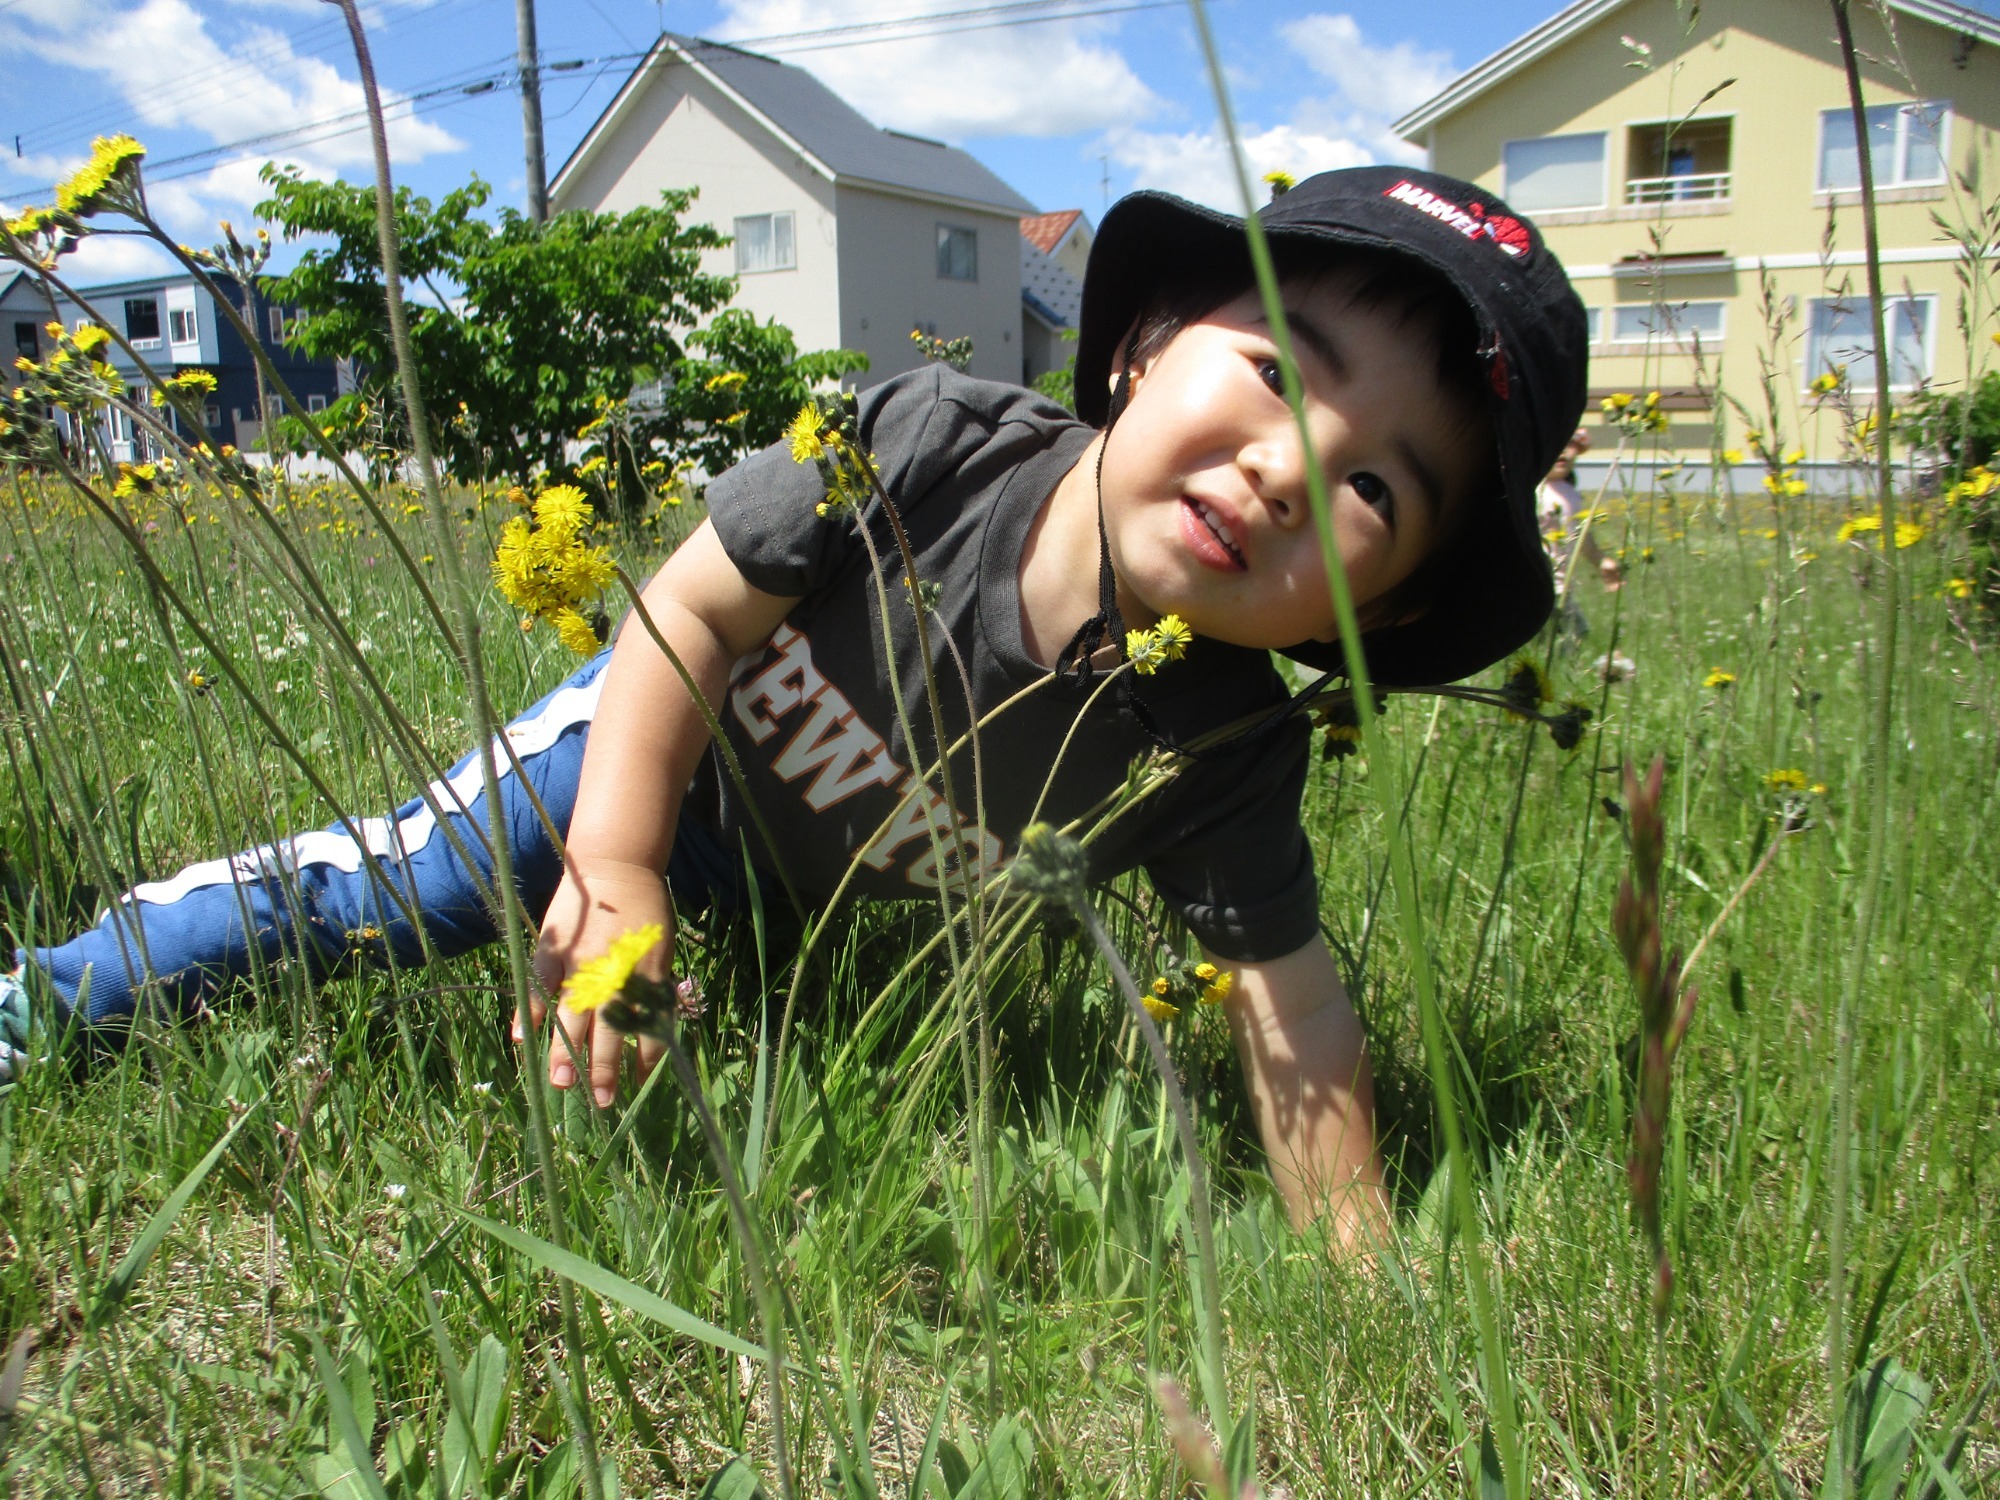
[1210, 537]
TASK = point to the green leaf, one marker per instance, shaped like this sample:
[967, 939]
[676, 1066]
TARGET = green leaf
[358, 1477]
[1006, 1466]
[1885, 1405]
[609, 1284]
[1492, 1483]
[128, 1271]
[735, 1480]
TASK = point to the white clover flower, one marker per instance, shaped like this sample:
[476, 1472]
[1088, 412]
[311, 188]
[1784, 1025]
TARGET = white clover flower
[395, 1192]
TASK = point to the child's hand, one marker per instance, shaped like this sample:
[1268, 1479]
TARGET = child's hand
[594, 905]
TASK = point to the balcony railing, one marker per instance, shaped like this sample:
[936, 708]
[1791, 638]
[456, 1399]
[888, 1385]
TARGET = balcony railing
[1693, 187]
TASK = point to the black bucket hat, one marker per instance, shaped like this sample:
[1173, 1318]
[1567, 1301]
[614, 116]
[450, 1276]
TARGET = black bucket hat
[1495, 589]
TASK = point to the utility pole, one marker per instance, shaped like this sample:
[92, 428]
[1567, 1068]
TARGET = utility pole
[531, 110]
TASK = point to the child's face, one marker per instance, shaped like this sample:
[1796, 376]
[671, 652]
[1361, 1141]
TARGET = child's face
[1205, 500]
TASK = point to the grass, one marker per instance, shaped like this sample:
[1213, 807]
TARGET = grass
[325, 1287]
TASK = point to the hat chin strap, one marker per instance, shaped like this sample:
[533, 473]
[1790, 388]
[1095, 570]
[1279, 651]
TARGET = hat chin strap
[1074, 663]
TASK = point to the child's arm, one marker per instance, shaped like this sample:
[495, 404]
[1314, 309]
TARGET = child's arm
[645, 743]
[1305, 1063]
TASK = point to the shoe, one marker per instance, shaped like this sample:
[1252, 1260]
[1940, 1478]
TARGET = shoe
[13, 1027]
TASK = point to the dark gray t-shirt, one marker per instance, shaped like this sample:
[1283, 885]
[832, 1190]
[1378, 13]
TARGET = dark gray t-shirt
[811, 716]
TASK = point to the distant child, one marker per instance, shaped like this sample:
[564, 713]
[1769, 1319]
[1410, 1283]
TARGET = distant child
[1561, 508]
[1442, 353]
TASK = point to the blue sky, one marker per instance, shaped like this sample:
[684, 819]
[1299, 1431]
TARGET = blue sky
[1067, 110]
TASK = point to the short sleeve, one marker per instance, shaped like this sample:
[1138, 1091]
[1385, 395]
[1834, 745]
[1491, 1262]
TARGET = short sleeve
[1236, 864]
[762, 508]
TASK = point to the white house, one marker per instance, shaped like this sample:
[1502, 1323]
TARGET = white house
[848, 234]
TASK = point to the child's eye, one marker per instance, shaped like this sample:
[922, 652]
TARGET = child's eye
[1269, 371]
[1374, 493]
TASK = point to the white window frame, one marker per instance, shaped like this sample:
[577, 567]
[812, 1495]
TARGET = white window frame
[1904, 110]
[1813, 368]
[1603, 176]
[788, 262]
[277, 321]
[176, 316]
[1593, 325]
[1677, 337]
[972, 237]
[149, 341]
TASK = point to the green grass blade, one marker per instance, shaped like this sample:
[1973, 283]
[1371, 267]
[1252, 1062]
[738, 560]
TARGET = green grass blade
[609, 1284]
[128, 1271]
[345, 1423]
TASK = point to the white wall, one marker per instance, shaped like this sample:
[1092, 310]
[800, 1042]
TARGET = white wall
[680, 132]
[889, 283]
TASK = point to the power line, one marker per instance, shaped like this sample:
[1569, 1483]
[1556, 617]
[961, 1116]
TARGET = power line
[464, 84]
[314, 41]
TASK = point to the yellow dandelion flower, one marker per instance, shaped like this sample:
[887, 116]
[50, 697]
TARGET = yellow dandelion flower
[113, 158]
[1718, 679]
[1794, 455]
[1175, 637]
[1958, 588]
[1219, 988]
[564, 509]
[807, 434]
[1732, 455]
[1206, 973]
[1909, 533]
[90, 338]
[1787, 780]
[729, 380]
[1146, 652]
[575, 632]
[1617, 401]
[1280, 182]
[1161, 1011]
[592, 465]
[604, 978]
[30, 221]
[1854, 526]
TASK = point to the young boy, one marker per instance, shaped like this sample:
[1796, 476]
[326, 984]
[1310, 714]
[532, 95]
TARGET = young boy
[1442, 353]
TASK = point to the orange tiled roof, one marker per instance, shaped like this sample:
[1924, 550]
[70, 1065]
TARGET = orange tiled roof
[1045, 231]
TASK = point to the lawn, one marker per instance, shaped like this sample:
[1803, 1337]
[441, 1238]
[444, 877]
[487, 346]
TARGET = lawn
[363, 1262]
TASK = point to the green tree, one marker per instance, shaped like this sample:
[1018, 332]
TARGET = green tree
[540, 335]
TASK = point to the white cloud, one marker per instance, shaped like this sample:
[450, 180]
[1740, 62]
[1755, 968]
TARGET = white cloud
[1051, 79]
[255, 86]
[1347, 127]
[1375, 82]
[1196, 164]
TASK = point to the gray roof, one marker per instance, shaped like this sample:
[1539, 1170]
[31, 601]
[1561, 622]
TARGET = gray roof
[835, 132]
[1049, 289]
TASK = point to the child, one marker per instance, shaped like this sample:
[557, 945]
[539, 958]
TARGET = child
[1560, 507]
[1442, 353]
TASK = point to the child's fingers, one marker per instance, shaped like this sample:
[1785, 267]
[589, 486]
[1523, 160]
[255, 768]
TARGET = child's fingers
[569, 1044]
[607, 1053]
[650, 1053]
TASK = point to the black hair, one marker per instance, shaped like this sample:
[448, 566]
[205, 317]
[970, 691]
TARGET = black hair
[1415, 296]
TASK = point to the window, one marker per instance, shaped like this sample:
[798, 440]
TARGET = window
[181, 326]
[958, 253]
[211, 416]
[1840, 335]
[142, 319]
[1905, 146]
[1555, 171]
[315, 403]
[1593, 324]
[27, 340]
[1686, 162]
[277, 325]
[765, 242]
[1676, 322]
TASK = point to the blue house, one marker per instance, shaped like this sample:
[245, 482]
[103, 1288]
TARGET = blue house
[174, 325]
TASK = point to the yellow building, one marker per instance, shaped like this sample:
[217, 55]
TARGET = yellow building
[1700, 183]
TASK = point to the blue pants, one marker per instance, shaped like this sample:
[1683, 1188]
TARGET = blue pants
[326, 897]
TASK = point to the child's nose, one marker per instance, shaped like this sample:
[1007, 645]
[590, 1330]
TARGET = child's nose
[1277, 475]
